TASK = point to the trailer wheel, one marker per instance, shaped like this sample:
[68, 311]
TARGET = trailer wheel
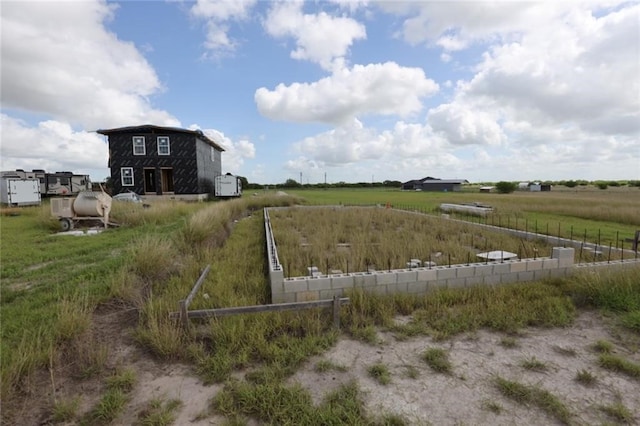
[66, 224]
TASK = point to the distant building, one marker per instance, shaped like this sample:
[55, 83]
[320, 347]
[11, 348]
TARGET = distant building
[434, 184]
[158, 160]
[486, 188]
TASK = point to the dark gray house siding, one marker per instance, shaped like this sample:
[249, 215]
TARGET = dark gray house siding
[190, 167]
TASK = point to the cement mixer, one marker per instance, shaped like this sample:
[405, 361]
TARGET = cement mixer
[87, 206]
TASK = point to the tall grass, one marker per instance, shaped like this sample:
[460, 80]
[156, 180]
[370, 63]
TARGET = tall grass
[447, 312]
[357, 239]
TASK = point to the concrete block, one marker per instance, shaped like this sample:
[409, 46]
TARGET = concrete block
[525, 276]
[565, 255]
[508, 278]
[501, 268]
[493, 279]
[406, 277]
[435, 285]
[419, 287]
[341, 282]
[550, 263]
[379, 289]
[323, 283]
[518, 266]
[541, 274]
[384, 278]
[446, 273]
[295, 285]
[465, 271]
[559, 272]
[482, 270]
[533, 265]
[328, 294]
[456, 283]
[427, 274]
[283, 298]
[473, 281]
[397, 288]
[305, 296]
[361, 279]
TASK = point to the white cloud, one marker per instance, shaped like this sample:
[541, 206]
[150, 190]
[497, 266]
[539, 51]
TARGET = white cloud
[386, 89]
[236, 152]
[320, 38]
[53, 146]
[218, 14]
[465, 126]
[59, 60]
[353, 142]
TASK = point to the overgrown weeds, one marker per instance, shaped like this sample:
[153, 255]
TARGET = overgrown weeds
[380, 373]
[619, 364]
[438, 360]
[275, 403]
[541, 398]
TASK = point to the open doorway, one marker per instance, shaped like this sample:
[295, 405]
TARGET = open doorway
[149, 181]
[167, 179]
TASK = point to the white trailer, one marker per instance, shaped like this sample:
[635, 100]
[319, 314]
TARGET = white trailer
[20, 192]
[228, 186]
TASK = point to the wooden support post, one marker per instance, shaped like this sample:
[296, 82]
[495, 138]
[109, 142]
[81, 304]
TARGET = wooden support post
[336, 312]
[184, 314]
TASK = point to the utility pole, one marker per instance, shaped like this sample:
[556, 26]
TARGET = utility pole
[300, 178]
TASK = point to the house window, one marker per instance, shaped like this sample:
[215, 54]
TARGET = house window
[126, 176]
[138, 145]
[163, 146]
[213, 154]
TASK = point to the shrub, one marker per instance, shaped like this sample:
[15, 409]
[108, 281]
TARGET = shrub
[504, 187]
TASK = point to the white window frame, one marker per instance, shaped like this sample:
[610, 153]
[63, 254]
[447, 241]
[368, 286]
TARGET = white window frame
[144, 148]
[213, 155]
[163, 138]
[125, 179]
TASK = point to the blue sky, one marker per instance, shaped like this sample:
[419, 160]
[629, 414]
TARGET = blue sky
[484, 91]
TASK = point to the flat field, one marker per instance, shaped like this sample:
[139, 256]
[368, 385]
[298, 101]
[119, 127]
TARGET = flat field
[87, 339]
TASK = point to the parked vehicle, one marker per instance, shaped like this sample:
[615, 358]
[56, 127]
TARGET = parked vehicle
[130, 196]
[58, 183]
[227, 186]
[19, 192]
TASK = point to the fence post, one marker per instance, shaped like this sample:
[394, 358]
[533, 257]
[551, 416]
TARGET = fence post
[184, 315]
[336, 312]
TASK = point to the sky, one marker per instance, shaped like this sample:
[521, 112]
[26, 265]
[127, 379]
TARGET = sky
[340, 90]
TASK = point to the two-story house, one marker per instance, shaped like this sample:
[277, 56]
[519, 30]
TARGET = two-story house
[156, 160]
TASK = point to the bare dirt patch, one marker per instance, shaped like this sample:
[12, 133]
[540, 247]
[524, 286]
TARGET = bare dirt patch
[468, 395]
[421, 396]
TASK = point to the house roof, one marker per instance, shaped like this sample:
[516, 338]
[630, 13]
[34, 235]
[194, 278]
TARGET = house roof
[432, 180]
[149, 128]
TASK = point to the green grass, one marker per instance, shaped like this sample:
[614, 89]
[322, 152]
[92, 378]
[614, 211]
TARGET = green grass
[110, 406]
[618, 412]
[447, 312]
[534, 395]
[616, 363]
[603, 347]
[438, 360]
[585, 377]
[159, 412]
[380, 373]
[275, 403]
[324, 366]
[509, 342]
[492, 406]
[51, 286]
[534, 364]
[65, 410]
